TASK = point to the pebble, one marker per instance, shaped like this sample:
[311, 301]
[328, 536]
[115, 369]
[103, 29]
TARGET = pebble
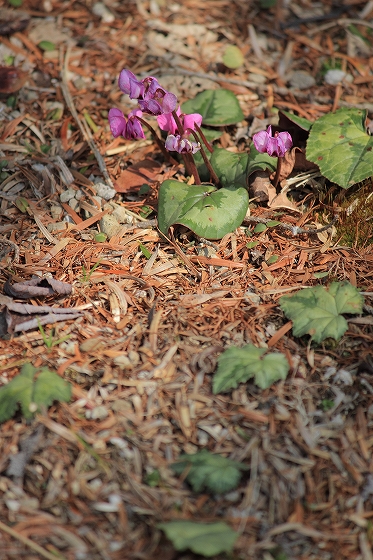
[57, 226]
[121, 214]
[56, 211]
[74, 204]
[98, 413]
[334, 77]
[67, 195]
[301, 80]
[104, 191]
[109, 225]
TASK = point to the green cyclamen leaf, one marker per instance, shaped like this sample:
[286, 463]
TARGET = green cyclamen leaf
[47, 46]
[233, 57]
[32, 386]
[231, 168]
[218, 107]
[208, 539]
[260, 162]
[340, 145]
[209, 212]
[317, 311]
[208, 471]
[237, 365]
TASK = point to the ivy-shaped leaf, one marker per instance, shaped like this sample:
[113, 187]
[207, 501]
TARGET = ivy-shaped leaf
[318, 311]
[237, 365]
[32, 389]
[208, 471]
[230, 167]
[209, 212]
[208, 539]
[340, 145]
[218, 107]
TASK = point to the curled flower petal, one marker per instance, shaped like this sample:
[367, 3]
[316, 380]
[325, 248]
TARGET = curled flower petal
[130, 85]
[191, 120]
[287, 140]
[172, 143]
[134, 129]
[169, 102]
[276, 145]
[181, 145]
[117, 122]
[260, 141]
[167, 122]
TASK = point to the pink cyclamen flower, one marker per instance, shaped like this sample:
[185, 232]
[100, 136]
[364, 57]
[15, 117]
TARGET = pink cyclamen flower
[181, 145]
[130, 85]
[152, 97]
[276, 145]
[167, 122]
[119, 126]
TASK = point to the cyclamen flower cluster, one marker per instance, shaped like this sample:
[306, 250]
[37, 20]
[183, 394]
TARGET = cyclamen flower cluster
[276, 145]
[153, 99]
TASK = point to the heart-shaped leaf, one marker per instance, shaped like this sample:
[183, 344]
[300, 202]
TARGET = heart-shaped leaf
[218, 107]
[230, 167]
[339, 144]
[260, 162]
[209, 212]
[285, 118]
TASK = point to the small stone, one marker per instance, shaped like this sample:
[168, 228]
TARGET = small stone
[67, 195]
[334, 77]
[57, 226]
[302, 80]
[207, 251]
[104, 191]
[99, 412]
[99, 9]
[121, 214]
[74, 204]
[56, 211]
[109, 225]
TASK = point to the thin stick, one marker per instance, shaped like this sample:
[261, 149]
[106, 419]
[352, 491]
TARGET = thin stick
[28, 542]
[82, 124]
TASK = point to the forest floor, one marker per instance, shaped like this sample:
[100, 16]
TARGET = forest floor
[91, 478]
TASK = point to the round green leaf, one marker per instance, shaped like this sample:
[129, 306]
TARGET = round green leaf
[339, 144]
[47, 46]
[209, 212]
[233, 57]
[218, 107]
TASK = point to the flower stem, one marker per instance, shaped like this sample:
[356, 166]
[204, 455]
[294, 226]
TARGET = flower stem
[203, 138]
[159, 141]
[278, 169]
[190, 166]
[215, 179]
